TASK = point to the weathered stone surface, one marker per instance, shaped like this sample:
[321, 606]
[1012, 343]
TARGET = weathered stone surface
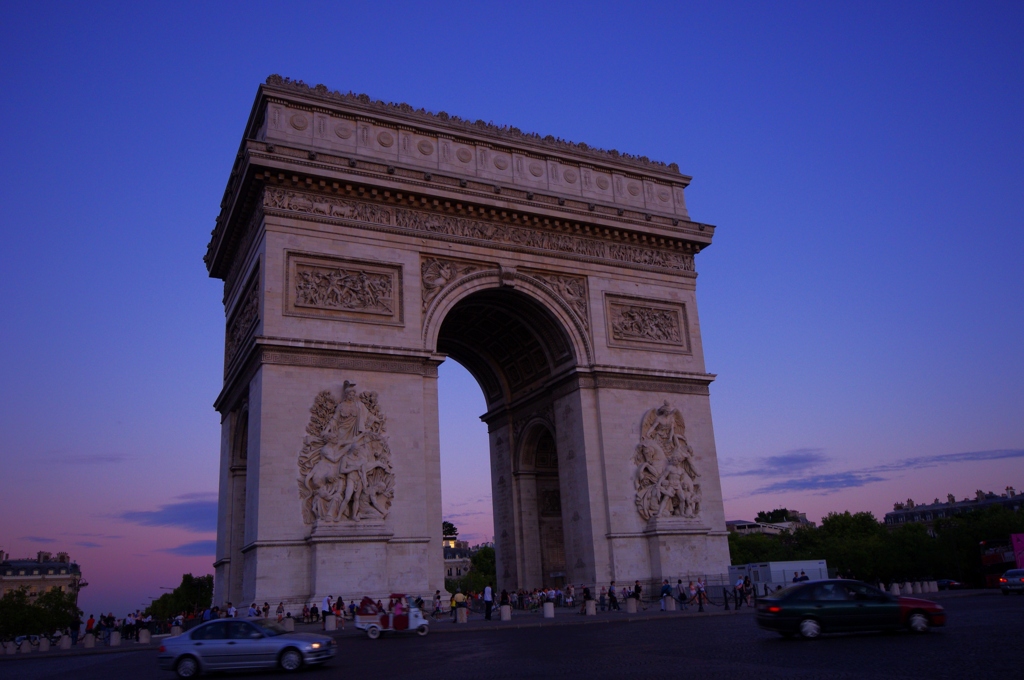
[362, 245]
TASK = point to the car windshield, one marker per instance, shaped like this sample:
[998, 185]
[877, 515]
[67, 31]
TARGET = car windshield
[1014, 573]
[789, 591]
[270, 628]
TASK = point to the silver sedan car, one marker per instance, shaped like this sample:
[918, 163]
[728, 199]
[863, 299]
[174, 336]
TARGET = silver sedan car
[227, 644]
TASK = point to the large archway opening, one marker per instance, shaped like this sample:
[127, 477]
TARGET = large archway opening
[515, 349]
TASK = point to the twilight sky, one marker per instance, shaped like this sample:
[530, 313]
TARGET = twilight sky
[862, 304]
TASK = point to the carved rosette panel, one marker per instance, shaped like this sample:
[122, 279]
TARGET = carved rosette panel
[345, 472]
[572, 290]
[641, 323]
[438, 273]
[665, 479]
[243, 321]
[499, 233]
[348, 289]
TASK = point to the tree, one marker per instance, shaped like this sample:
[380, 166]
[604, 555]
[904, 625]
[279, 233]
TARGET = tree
[193, 595]
[53, 610]
[776, 515]
[449, 530]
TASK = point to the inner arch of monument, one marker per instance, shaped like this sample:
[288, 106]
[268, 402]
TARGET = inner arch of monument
[514, 347]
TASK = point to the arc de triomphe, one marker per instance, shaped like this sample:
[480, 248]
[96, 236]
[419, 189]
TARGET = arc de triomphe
[360, 244]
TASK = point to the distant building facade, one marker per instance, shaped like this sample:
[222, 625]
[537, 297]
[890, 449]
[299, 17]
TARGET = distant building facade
[457, 556]
[909, 512]
[46, 572]
[794, 521]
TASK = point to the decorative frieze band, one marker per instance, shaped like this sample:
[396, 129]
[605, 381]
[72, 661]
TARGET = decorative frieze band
[345, 361]
[646, 324]
[469, 228]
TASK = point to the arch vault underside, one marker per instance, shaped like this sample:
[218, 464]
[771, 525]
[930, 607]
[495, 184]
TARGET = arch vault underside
[362, 244]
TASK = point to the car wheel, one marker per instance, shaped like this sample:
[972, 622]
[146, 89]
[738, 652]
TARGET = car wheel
[809, 629]
[187, 667]
[291, 660]
[918, 622]
[373, 632]
[422, 630]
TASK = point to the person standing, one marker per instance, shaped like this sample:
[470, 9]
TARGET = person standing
[637, 589]
[613, 601]
[666, 592]
[90, 624]
[680, 594]
[488, 601]
[280, 612]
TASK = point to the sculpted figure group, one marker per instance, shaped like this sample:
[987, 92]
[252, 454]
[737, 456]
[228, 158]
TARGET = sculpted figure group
[344, 466]
[665, 481]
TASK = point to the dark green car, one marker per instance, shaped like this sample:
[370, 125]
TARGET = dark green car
[840, 605]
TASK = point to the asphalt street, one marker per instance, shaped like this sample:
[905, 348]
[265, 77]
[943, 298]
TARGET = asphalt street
[982, 639]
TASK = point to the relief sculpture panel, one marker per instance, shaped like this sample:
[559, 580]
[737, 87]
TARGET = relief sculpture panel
[646, 324]
[571, 289]
[349, 289]
[665, 480]
[437, 274]
[345, 463]
[243, 321]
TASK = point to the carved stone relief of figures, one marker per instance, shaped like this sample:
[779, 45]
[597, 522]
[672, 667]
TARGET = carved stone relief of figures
[243, 321]
[436, 273]
[338, 288]
[351, 289]
[637, 323]
[572, 290]
[345, 472]
[665, 479]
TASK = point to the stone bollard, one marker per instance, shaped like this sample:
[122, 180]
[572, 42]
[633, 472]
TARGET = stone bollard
[289, 624]
[89, 641]
[670, 604]
[905, 589]
[549, 610]
[44, 643]
[10, 648]
[894, 589]
[933, 587]
[506, 612]
[65, 642]
[631, 605]
[145, 637]
[461, 615]
[176, 630]
[915, 588]
[591, 606]
[330, 622]
[115, 638]
[25, 647]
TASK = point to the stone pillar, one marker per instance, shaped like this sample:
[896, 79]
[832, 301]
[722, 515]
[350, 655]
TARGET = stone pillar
[591, 607]
[506, 612]
[145, 637]
[670, 604]
[330, 622]
[461, 615]
[25, 647]
[65, 642]
[549, 610]
[115, 638]
[176, 630]
[631, 605]
[289, 624]
[89, 641]
[44, 644]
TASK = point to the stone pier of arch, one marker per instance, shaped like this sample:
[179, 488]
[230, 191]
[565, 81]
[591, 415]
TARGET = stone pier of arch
[362, 244]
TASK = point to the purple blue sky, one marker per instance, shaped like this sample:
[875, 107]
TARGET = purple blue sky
[862, 305]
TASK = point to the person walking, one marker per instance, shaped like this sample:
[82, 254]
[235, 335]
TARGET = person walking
[488, 601]
[613, 602]
[666, 592]
[436, 614]
[681, 594]
[637, 589]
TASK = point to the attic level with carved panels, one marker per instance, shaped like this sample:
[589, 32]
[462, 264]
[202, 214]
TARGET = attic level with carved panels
[311, 141]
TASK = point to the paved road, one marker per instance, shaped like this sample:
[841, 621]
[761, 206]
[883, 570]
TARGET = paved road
[981, 640]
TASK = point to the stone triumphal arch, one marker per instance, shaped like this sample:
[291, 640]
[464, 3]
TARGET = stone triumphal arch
[362, 243]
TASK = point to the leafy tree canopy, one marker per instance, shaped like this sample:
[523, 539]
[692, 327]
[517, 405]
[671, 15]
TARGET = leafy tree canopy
[449, 530]
[776, 515]
[193, 595]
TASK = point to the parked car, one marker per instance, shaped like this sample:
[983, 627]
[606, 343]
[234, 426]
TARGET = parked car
[227, 644]
[1012, 582]
[949, 584]
[840, 605]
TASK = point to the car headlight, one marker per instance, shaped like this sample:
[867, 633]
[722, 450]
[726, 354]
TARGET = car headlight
[315, 645]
